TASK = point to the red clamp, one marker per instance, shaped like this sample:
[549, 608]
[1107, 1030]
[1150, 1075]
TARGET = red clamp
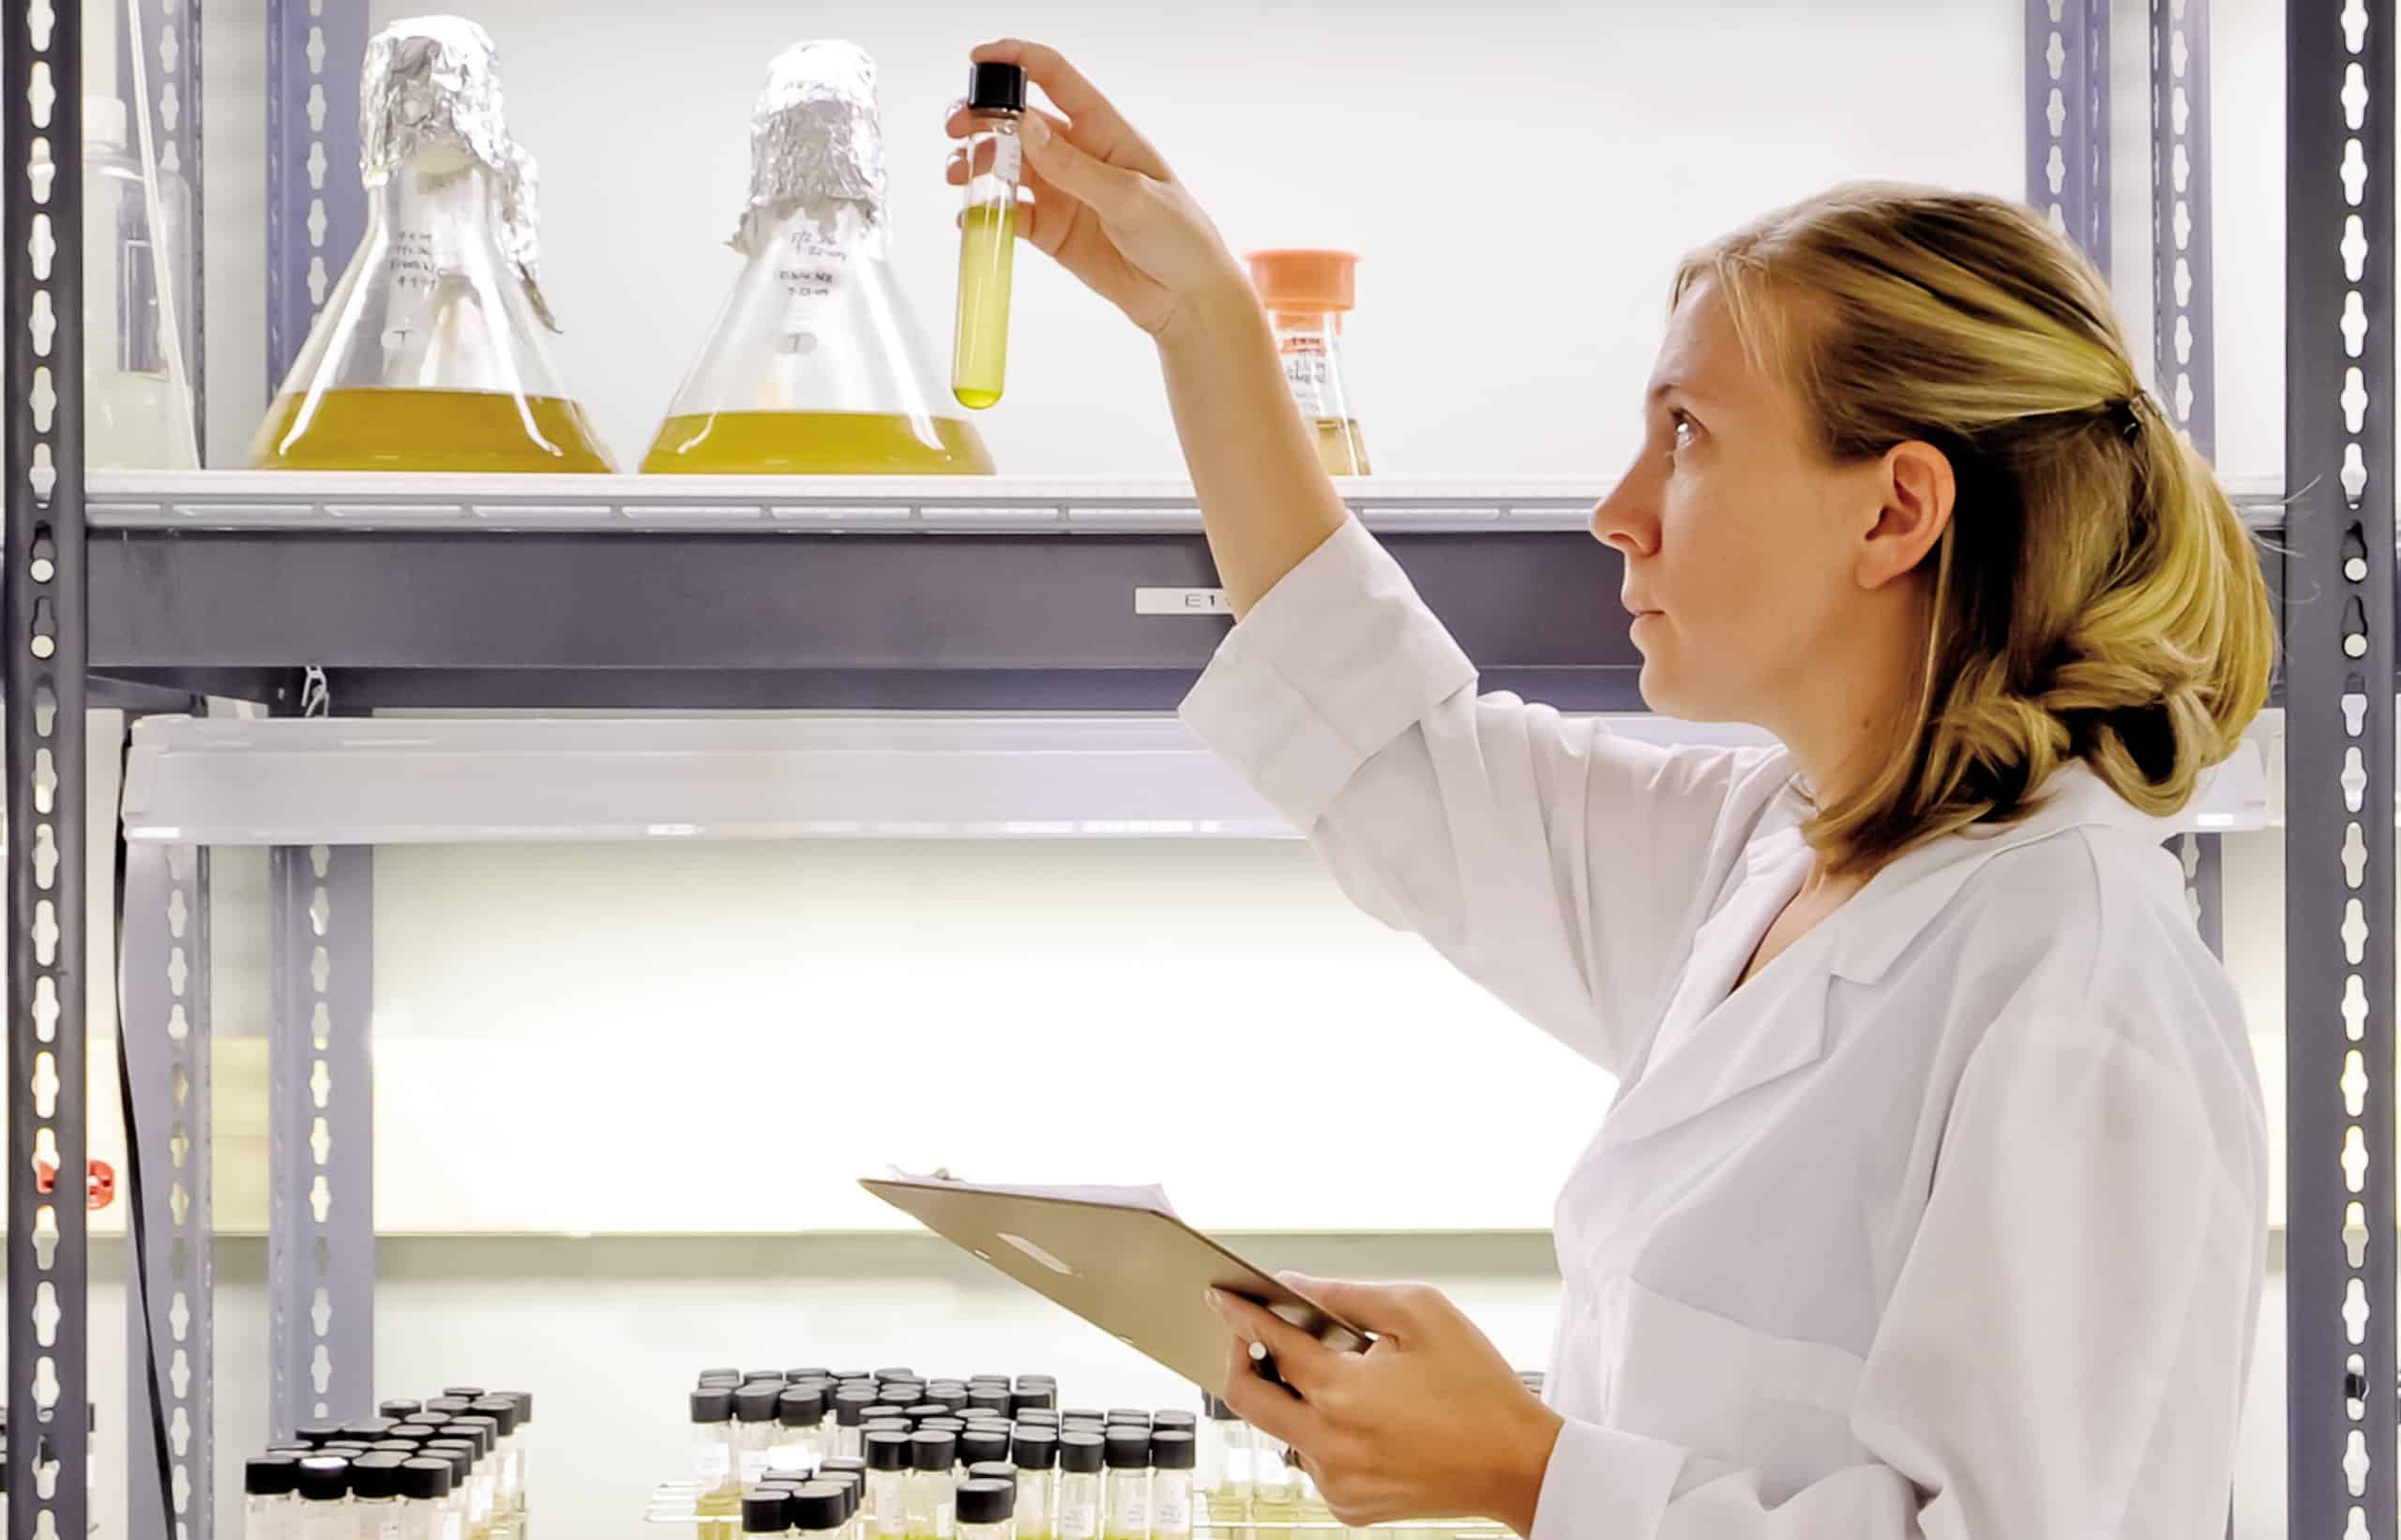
[100, 1182]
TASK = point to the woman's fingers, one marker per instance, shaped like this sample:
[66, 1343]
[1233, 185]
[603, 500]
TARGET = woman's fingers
[1301, 1360]
[1113, 191]
[1093, 112]
[1270, 1408]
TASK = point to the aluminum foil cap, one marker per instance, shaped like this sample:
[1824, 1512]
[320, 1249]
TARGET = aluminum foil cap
[816, 137]
[430, 87]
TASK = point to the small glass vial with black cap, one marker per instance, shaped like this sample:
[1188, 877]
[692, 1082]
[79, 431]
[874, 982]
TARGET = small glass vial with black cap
[375, 1495]
[426, 1510]
[270, 1498]
[933, 1485]
[485, 1431]
[398, 1410]
[765, 1512]
[508, 1485]
[713, 1447]
[987, 1510]
[1083, 1454]
[976, 1445]
[1126, 1513]
[850, 1412]
[848, 1478]
[796, 1444]
[323, 1485]
[475, 1484]
[979, 348]
[470, 1392]
[521, 1472]
[989, 1399]
[1035, 1452]
[755, 1430]
[1173, 1454]
[819, 1510]
[888, 1484]
[1025, 1399]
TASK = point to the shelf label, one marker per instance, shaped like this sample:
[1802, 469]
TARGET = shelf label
[1182, 601]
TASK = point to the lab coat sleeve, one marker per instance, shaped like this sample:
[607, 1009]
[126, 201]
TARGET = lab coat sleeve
[2064, 1350]
[1555, 864]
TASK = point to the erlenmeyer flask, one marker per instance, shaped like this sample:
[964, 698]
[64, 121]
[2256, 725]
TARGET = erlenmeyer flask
[814, 363]
[428, 356]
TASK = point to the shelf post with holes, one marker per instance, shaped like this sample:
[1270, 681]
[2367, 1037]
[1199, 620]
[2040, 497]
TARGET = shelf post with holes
[170, 1353]
[2339, 613]
[321, 1222]
[2067, 119]
[42, 699]
[316, 211]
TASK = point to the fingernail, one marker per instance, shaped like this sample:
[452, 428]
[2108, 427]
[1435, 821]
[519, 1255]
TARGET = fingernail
[1210, 1298]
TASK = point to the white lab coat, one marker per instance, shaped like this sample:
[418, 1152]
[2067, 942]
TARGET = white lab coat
[1951, 1222]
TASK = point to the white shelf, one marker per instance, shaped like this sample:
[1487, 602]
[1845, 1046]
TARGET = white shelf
[435, 780]
[763, 503]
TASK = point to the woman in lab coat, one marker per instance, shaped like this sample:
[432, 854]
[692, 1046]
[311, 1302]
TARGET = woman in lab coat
[1933, 1197]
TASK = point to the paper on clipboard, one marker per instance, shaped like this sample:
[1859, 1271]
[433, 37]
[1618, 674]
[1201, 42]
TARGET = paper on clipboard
[1150, 1197]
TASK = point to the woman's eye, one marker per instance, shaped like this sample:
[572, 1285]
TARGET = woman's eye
[1685, 430]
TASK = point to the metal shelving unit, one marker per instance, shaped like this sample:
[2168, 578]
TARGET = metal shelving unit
[1010, 595]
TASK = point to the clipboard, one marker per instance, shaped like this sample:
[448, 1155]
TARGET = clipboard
[1137, 1274]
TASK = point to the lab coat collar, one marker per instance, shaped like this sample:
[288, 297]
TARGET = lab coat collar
[1898, 903]
[1776, 1023]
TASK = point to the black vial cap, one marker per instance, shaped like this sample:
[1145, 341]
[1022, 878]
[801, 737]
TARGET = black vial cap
[975, 1446]
[720, 1374]
[482, 1429]
[346, 1448]
[839, 1463]
[995, 88]
[819, 1505]
[370, 1429]
[933, 1451]
[881, 1375]
[926, 1409]
[886, 1451]
[427, 1419]
[796, 1376]
[470, 1392]
[1129, 1414]
[992, 1470]
[712, 1406]
[1129, 1448]
[987, 1397]
[398, 1410]
[376, 1475]
[1027, 1399]
[1079, 1452]
[849, 1412]
[949, 1397]
[427, 1480]
[524, 1399]
[951, 1426]
[317, 1435]
[501, 1410]
[402, 1447]
[271, 1475]
[1038, 1416]
[1035, 1449]
[801, 1407]
[987, 1502]
[325, 1479]
[1219, 1411]
[1172, 1449]
[851, 1486]
[764, 1513]
[1082, 1414]
[290, 1446]
[756, 1402]
[1183, 1420]
[413, 1433]
[459, 1457]
[451, 1404]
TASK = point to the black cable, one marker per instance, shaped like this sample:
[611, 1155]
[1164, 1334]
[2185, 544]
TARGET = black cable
[136, 1225]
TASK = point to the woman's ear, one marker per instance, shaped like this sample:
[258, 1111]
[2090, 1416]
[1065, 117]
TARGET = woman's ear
[1917, 489]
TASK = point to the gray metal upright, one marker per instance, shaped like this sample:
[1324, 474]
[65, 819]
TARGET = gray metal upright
[41, 686]
[170, 1355]
[321, 1220]
[2339, 615]
[2067, 117]
[315, 209]
[2182, 249]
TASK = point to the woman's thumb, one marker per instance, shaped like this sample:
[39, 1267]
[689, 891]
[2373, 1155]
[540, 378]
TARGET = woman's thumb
[1107, 188]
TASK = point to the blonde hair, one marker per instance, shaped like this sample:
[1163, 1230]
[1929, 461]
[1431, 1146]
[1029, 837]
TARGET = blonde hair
[2095, 596]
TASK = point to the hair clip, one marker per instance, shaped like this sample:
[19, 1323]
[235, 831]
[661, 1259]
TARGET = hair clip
[2125, 415]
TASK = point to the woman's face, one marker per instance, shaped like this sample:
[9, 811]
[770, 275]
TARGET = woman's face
[1742, 540]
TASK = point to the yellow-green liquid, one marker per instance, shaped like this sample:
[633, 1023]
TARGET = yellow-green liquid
[816, 443]
[1339, 446]
[720, 1513]
[373, 428]
[979, 348]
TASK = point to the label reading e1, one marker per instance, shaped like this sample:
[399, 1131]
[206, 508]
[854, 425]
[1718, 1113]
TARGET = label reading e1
[1182, 601]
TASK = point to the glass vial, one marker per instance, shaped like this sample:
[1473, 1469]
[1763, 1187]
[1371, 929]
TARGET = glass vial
[375, 1496]
[471, 1482]
[888, 1484]
[426, 1513]
[1173, 1454]
[324, 1499]
[270, 1498]
[850, 1412]
[1308, 293]
[819, 1510]
[1126, 1450]
[1082, 1457]
[755, 1428]
[933, 1485]
[979, 346]
[987, 1511]
[796, 1444]
[508, 1463]
[1222, 1477]
[1035, 1452]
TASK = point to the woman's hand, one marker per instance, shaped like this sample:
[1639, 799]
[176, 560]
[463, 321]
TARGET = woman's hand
[1430, 1422]
[1104, 203]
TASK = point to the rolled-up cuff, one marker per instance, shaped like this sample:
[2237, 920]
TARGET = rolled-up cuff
[1332, 664]
[1605, 1484]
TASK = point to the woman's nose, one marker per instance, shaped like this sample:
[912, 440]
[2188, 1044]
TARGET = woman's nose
[1623, 521]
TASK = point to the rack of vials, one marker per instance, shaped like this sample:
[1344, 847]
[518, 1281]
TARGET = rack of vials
[888, 1456]
[451, 1467]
